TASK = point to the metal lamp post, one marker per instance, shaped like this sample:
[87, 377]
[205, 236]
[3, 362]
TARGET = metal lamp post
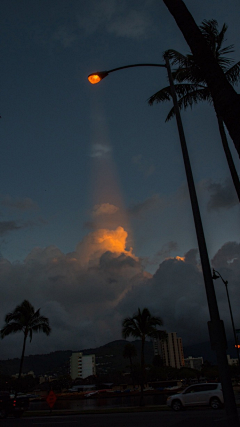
[215, 276]
[216, 327]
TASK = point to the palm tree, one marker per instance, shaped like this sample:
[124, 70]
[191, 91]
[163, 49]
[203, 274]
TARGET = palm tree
[142, 325]
[24, 318]
[225, 99]
[193, 88]
[129, 352]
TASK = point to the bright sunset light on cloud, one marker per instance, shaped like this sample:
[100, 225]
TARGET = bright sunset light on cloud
[103, 240]
[104, 209]
[180, 258]
[112, 240]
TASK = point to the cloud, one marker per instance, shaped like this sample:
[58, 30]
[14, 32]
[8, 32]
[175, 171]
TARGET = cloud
[222, 195]
[123, 19]
[100, 150]
[104, 209]
[142, 207]
[18, 203]
[133, 24]
[167, 249]
[228, 254]
[87, 293]
[96, 243]
[11, 226]
[7, 226]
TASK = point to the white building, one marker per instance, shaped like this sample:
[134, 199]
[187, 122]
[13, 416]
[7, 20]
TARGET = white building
[171, 350]
[82, 366]
[232, 361]
[194, 362]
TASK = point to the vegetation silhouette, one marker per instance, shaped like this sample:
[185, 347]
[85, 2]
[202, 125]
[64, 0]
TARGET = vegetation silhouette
[142, 325]
[226, 100]
[25, 319]
[193, 87]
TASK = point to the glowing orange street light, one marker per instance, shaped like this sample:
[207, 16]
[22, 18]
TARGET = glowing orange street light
[97, 77]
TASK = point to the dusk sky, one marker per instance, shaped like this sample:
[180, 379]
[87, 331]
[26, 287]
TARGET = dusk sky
[95, 212]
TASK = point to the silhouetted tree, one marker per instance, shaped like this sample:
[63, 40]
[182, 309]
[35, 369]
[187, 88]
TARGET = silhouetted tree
[225, 99]
[142, 325]
[25, 319]
[193, 87]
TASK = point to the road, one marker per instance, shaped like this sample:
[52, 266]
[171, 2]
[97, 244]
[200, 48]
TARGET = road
[189, 418]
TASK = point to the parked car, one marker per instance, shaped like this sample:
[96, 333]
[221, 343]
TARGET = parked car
[11, 406]
[196, 395]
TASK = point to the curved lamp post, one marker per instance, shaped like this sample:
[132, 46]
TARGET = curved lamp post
[215, 276]
[216, 327]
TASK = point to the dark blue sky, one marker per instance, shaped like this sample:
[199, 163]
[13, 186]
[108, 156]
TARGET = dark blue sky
[79, 161]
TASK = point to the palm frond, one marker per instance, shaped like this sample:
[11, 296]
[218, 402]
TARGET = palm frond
[11, 328]
[221, 36]
[233, 73]
[176, 57]
[209, 28]
[189, 99]
[160, 96]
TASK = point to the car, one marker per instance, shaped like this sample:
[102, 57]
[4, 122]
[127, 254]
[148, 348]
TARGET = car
[9, 405]
[208, 394]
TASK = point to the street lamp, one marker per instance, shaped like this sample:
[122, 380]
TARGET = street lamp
[215, 276]
[216, 326]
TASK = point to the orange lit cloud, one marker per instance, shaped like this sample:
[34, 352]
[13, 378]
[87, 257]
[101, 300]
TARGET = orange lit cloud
[104, 209]
[103, 240]
[178, 258]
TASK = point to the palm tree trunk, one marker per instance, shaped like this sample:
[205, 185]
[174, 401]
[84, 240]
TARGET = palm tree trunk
[225, 98]
[228, 154]
[142, 372]
[21, 363]
[131, 368]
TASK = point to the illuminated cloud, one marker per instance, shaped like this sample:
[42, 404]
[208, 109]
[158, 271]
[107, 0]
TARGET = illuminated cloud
[100, 241]
[104, 209]
[100, 150]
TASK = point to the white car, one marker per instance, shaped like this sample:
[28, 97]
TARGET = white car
[196, 395]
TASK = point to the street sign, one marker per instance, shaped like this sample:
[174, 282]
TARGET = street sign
[51, 398]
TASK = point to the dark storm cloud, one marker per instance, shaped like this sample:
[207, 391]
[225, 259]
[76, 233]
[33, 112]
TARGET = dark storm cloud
[87, 302]
[222, 195]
